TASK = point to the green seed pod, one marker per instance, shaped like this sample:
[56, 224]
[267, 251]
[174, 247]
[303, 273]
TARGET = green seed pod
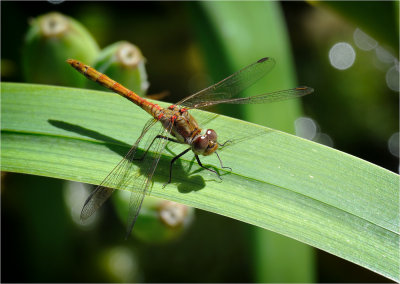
[118, 264]
[124, 63]
[51, 39]
[159, 221]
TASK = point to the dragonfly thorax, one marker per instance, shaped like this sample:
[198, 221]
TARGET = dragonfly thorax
[205, 144]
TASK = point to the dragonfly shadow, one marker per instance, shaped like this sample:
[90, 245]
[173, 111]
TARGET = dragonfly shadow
[115, 145]
[188, 180]
[192, 180]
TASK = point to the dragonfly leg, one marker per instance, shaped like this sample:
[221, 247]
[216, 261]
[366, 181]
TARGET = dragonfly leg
[211, 170]
[220, 161]
[223, 144]
[159, 137]
[172, 161]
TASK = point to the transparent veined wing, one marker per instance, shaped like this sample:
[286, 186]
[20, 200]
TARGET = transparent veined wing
[141, 186]
[231, 86]
[227, 90]
[117, 178]
[260, 99]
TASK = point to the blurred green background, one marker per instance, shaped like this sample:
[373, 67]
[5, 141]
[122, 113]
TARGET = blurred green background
[188, 46]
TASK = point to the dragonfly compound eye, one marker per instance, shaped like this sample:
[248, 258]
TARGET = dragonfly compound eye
[200, 144]
[211, 135]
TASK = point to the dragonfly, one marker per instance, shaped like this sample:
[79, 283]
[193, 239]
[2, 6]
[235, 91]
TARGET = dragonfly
[176, 125]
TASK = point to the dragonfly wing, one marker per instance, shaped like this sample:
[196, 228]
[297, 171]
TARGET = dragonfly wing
[143, 182]
[117, 178]
[231, 86]
[264, 98]
[95, 200]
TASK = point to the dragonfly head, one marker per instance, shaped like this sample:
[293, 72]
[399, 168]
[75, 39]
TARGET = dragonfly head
[205, 144]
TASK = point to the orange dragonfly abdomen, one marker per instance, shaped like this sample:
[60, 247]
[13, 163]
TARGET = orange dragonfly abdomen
[104, 80]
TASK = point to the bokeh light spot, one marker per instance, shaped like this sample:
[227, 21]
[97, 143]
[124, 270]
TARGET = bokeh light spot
[364, 41]
[324, 139]
[392, 78]
[305, 127]
[55, 1]
[393, 144]
[384, 55]
[75, 193]
[342, 55]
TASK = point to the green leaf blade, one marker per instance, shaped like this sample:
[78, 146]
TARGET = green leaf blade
[306, 191]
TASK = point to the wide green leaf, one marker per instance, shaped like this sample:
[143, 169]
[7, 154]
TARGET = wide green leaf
[301, 189]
